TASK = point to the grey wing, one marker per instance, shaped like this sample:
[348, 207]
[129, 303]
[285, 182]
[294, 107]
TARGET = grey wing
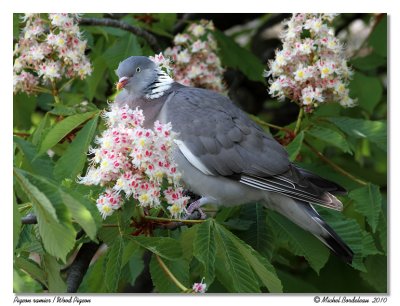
[219, 139]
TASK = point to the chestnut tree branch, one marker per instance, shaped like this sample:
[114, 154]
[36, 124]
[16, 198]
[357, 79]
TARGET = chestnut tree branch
[108, 22]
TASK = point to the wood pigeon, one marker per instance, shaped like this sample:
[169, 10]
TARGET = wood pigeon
[224, 156]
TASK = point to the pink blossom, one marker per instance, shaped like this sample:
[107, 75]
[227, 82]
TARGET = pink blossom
[50, 51]
[310, 70]
[194, 61]
[134, 162]
[200, 287]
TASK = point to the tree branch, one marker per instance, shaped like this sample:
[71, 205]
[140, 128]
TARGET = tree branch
[150, 38]
[78, 268]
[29, 219]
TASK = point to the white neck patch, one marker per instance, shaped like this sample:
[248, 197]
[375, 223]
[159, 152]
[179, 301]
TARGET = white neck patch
[160, 86]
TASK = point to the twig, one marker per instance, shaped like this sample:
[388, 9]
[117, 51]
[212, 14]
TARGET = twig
[29, 219]
[378, 18]
[334, 165]
[170, 275]
[151, 39]
[78, 268]
[21, 134]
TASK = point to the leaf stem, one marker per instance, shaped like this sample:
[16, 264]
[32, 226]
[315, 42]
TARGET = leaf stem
[172, 220]
[170, 275]
[334, 165]
[299, 119]
[269, 125]
[55, 92]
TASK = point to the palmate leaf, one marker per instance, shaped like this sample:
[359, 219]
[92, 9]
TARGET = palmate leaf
[58, 237]
[259, 235]
[204, 249]
[165, 247]
[374, 131]
[65, 202]
[232, 268]
[32, 268]
[298, 241]
[162, 282]
[113, 264]
[368, 201]
[71, 163]
[260, 265]
[368, 90]
[55, 283]
[234, 56]
[330, 136]
[295, 146]
[41, 165]
[377, 272]
[62, 129]
[360, 242]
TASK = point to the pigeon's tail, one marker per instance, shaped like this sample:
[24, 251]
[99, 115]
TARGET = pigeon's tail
[329, 236]
[305, 216]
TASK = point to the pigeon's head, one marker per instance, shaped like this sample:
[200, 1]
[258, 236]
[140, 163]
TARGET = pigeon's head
[136, 74]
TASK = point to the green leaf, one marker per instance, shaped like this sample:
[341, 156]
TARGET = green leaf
[163, 246]
[54, 227]
[368, 90]
[42, 165]
[37, 135]
[330, 136]
[62, 129]
[369, 62]
[73, 160]
[368, 201]
[93, 81]
[16, 25]
[52, 268]
[23, 106]
[294, 147]
[79, 208]
[237, 273]
[113, 264]
[93, 281]
[123, 47]
[374, 131]
[16, 222]
[136, 266]
[350, 232]
[32, 268]
[234, 56]
[377, 272]
[378, 38]
[164, 284]
[299, 241]
[258, 235]
[260, 265]
[187, 238]
[204, 249]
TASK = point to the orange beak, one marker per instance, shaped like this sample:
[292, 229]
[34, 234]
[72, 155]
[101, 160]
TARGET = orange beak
[122, 82]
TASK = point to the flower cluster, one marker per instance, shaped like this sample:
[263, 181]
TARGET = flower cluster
[194, 59]
[48, 49]
[311, 68]
[131, 161]
[200, 287]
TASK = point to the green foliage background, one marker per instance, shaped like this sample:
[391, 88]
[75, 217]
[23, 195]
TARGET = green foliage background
[240, 249]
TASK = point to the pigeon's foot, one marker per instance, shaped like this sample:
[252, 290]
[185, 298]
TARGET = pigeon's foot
[194, 210]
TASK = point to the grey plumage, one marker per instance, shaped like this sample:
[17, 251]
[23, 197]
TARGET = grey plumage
[224, 156]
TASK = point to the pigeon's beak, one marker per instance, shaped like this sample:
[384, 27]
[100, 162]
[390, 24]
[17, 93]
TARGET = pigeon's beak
[122, 82]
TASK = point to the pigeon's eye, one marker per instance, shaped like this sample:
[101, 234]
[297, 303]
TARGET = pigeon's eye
[138, 69]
